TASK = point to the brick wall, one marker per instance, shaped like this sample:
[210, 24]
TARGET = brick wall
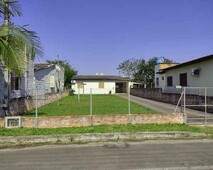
[1, 122]
[74, 121]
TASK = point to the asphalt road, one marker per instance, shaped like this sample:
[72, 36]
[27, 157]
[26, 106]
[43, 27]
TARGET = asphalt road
[197, 154]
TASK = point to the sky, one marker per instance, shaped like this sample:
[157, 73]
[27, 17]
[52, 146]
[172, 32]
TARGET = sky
[94, 36]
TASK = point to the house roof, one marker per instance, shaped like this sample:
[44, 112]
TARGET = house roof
[205, 58]
[101, 77]
[40, 66]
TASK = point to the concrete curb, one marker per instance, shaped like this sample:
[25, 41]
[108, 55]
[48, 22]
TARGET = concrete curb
[100, 137]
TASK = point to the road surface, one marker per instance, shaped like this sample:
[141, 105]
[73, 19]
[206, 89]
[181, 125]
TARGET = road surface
[157, 155]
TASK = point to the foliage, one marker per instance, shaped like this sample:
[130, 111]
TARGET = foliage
[102, 104]
[129, 67]
[106, 129]
[69, 71]
[16, 41]
[141, 70]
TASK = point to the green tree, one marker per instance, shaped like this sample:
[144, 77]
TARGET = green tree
[146, 71]
[141, 70]
[69, 71]
[129, 67]
[17, 44]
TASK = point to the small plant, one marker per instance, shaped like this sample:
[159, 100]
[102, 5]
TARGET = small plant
[71, 92]
[110, 92]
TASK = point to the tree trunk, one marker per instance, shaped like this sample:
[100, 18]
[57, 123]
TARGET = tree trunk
[5, 70]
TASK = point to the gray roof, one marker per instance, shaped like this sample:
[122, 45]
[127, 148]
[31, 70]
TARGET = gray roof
[101, 77]
[40, 66]
[205, 58]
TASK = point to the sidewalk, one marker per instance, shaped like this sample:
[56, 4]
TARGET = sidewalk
[98, 137]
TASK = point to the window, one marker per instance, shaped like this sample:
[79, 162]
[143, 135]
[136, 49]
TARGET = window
[169, 81]
[157, 81]
[80, 86]
[162, 77]
[183, 79]
[15, 82]
[101, 85]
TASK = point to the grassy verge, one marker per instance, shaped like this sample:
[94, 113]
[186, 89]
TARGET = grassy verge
[102, 104]
[105, 129]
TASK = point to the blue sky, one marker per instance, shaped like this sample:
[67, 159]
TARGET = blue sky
[96, 35]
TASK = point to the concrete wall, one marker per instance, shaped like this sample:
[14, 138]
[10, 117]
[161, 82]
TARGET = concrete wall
[21, 105]
[172, 98]
[73, 121]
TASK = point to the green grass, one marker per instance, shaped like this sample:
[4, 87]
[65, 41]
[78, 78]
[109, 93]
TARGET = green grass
[102, 105]
[105, 129]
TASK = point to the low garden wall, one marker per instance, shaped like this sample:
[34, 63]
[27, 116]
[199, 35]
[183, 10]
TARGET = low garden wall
[75, 121]
[24, 104]
[1, 122]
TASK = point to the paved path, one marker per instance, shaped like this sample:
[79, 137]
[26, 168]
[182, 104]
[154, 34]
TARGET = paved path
[156, 155]
[163, 107]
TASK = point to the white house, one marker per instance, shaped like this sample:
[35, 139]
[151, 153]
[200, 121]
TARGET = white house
[100, 84]
[49, 78]
[194, 73]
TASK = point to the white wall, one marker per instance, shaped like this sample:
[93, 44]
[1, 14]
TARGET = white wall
[108, 86]
[205, 79]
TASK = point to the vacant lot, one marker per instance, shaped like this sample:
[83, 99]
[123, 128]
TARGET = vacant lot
[101, 104]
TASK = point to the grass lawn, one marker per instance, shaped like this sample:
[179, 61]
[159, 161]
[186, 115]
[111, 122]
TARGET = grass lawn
[102, 104]
[105, 129]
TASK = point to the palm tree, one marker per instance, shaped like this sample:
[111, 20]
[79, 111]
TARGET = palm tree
[16, 43]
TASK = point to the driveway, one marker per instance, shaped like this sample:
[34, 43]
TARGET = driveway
[193, 116]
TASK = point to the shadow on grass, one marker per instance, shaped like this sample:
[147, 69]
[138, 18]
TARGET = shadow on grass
[32, 113]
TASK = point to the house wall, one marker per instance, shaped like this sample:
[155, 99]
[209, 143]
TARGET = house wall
[42, 80]
[203, 80]
[108, 86]
[157, 68]
[26, 84]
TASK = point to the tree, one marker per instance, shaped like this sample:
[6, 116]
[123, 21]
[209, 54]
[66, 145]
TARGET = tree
[69, 71]
[141, 70]
[146, 71]
[16, 41]
[16, 44]
[129, 67]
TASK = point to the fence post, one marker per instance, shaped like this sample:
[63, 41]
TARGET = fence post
[129, 109]
[205, 104]
[79, 95]
[91, 118]
[184, 105]
[36, 111]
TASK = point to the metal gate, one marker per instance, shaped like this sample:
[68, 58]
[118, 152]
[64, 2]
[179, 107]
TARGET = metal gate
[196, 103]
